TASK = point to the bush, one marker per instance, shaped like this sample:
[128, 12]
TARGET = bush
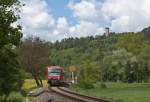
[3, 98]
[100, 85]
[103, 85]
[13, 97]
[86, 84]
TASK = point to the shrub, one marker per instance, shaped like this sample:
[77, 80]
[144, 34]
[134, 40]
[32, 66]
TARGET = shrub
[15, 97]
[12, 97]
[86, 84]
[3, 98]
[102, 85]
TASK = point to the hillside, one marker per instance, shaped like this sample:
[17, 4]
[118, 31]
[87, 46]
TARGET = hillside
[111, 58]
[146, 32]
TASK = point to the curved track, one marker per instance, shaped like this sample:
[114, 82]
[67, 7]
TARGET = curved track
[74, 97]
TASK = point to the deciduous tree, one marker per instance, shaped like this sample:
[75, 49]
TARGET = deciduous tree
[9, 38]
[34, 57]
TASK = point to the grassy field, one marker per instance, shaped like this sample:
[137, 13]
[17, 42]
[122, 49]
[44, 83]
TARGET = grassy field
[122, 92]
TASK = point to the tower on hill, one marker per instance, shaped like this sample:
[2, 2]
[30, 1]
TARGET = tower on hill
[107, 33]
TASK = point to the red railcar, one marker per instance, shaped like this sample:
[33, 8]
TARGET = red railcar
[54, 75]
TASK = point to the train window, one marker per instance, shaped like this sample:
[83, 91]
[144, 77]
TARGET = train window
[54, 71]
[53, 74]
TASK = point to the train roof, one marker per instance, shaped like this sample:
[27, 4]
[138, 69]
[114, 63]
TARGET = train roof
[57, 67]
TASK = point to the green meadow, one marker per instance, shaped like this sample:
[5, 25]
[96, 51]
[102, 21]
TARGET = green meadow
[120, 92]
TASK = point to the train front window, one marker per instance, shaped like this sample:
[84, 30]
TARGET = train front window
[54, 72]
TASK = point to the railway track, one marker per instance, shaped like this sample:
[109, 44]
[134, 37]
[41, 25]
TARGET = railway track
[69, 96]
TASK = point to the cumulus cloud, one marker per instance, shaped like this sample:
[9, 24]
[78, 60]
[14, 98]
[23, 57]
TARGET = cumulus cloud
[128, 15]
[85, 28]
[36, 15]
[91, 16]
[82, 29]
[86, 10]
[61, 28]
[36, 19]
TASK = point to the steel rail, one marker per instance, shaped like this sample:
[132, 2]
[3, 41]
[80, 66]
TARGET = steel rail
[75, 96]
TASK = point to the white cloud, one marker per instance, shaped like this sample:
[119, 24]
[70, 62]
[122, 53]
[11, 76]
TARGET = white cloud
[36, 19]
[62, 23]
[61, 28]
[86, 10]
[82, 29]
[87, 13]
[129, 15]
[120, 15]
[39, 21]
[85, 28]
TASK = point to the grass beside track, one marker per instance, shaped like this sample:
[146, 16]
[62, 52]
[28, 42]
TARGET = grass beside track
[122, 92]
[30, 84]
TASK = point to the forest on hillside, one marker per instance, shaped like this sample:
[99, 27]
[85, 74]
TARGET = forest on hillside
[120, 57]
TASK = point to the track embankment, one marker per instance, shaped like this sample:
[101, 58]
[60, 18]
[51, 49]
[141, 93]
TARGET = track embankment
[62, 94]
[75, 97]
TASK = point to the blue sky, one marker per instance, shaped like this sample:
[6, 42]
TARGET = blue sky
[57, 19]
[59, 8]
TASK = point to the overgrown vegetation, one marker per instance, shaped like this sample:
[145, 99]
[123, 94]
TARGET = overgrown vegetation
[13, 97]
[30, 84]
